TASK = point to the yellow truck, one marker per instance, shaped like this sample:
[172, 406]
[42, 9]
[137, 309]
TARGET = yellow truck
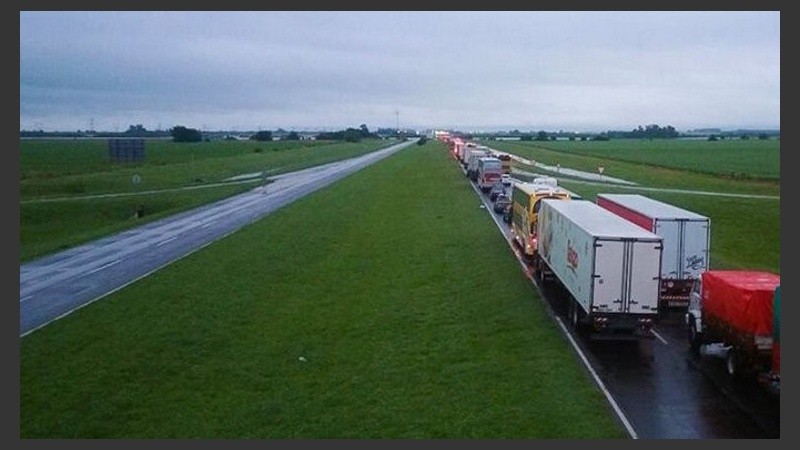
[525, 202]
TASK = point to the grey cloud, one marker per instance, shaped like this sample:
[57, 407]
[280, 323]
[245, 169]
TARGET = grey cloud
[567, 69]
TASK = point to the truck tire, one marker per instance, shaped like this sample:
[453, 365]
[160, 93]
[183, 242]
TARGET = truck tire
[694, 336]
[536, 263]
[732, 363]
[574, 315]
[540, 271]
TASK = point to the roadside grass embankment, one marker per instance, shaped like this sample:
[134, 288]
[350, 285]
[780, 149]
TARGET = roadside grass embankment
[385, 306]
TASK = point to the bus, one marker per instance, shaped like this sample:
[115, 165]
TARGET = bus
[525, 202]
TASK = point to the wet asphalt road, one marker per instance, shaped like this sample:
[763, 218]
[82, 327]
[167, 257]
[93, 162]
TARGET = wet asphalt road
[663, 390]
[56, 285]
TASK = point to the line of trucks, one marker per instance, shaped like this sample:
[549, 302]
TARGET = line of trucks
[625, 258]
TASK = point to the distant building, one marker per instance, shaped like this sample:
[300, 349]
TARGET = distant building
[508, 138]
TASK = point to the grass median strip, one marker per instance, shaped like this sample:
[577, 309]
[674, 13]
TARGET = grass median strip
[386, 306]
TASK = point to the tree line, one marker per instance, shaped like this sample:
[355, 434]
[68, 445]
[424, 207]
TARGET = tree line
[652, 131]
[181, 133]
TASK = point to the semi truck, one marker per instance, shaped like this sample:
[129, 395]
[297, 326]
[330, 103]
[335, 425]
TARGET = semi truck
[775, 373]
[489, 171]
[738, 311]
[608, 267]
[458, 148]
[686, 235]
[466, 152]
[475, 155]
[525, 202]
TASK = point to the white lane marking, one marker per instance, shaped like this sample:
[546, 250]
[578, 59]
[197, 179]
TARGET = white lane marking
[597, 380]
[165, 241]
[104, 266]
[659, 337]
[27, 297]
[207, 224]
[585, 361]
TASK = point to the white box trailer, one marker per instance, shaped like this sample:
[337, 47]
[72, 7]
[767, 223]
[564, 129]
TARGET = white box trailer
[609, 266]
[472, 163]
[686, 236]
[468, 148]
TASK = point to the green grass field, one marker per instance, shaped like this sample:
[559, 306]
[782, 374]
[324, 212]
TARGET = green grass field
[646, 174]
[753, 158]
[53, 168]
[404, 331]
[73, 169]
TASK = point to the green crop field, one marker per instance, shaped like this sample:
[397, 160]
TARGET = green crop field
[72, 171]
[359, 311]
[750, 159]
[53, 168]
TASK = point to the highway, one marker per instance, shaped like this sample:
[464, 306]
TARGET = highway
[56, 285]
[658, 389]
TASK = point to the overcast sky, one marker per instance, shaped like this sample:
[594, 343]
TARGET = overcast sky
[589, 71]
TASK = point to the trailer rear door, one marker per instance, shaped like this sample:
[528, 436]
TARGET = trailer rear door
[671, 231]
[695, 248]
[644, 267]
[626, 276]
[608, 276]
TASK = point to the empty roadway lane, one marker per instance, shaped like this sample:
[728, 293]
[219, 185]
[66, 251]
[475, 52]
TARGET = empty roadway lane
[56, 285]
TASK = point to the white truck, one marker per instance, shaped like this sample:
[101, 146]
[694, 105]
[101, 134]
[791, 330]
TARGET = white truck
[608, 266]
[546, 181]
[472, 162]
[466, 151]
[686, 235]
[489, 171]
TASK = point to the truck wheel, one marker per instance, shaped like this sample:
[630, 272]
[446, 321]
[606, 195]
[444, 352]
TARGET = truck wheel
[540, 271]
[536, 263]
[574, 315]
[732, 364]
[694, 336]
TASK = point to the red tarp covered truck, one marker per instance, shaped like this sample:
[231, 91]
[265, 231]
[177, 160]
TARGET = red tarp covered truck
[735, 309]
